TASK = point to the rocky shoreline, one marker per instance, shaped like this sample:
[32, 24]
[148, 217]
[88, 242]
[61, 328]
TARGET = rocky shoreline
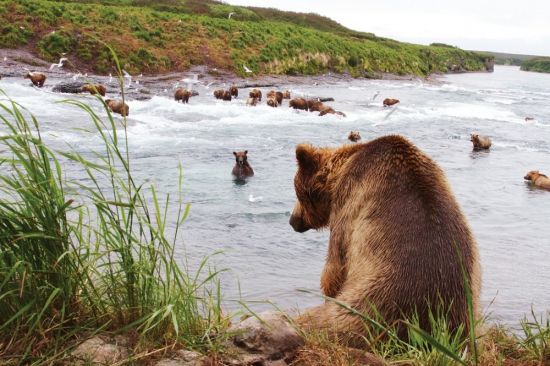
[15, 63]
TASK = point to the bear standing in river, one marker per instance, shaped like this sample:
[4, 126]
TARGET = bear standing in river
[242, 168]
[399, 241]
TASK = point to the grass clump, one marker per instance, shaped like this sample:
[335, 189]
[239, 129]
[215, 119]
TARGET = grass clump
[79, 259]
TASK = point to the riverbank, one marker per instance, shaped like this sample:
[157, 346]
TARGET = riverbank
[150, 40]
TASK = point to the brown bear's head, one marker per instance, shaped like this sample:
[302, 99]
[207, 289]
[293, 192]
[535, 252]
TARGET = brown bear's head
[474, 137]
[532, 175]
[312, 210]
[241, 157]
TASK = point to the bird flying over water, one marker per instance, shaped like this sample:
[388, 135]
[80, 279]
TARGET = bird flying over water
[60, 64]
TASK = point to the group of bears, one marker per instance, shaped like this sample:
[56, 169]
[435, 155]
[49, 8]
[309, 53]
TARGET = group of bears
[535, 177]
[116, 105]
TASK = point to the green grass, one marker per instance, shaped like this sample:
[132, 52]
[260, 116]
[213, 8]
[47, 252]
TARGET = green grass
[539, 64]
[172, 35]
[77, 259]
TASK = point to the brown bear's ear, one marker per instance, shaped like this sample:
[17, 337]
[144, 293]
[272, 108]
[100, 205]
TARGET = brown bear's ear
[246, 152]
[235, 153]
[307, 157]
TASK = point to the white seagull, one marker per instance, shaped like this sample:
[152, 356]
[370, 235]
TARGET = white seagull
[190, 82]
[251, 198]
[229, 16]
[128, 76]
[247, 70]
[60, 64]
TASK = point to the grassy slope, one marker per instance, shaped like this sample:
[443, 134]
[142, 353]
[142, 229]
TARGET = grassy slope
[171, 35]
[539, 64]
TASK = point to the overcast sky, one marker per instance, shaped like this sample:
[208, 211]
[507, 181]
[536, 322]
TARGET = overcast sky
[506, 25]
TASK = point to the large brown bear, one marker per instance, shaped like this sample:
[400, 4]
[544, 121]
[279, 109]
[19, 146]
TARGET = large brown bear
[286, 94]
[399, 241]
[218, 94]
[94, 89]
[37, 78]
[118, 106]
[255, 93]
[298, 103]
[182, 95]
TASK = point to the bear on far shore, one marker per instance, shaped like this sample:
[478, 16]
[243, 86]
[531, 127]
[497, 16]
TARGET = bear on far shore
[118, 106]
[399, 242]
[37, 78]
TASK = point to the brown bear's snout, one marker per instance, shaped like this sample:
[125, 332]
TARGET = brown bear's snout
[297, 221]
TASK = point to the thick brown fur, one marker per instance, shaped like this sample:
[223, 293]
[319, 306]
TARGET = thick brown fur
[298, 103]
[118, 106]
[242, 168]
[354, 136]
[94, 89]
[388, 102]
[272, 102]
[329, 110]
[480, 142]
[397, 235]
[286, 94]
[252, 102]
[218, 94]
[234, 91]
[37, 78]
[255, 93]
[182, 95]
[538, 179]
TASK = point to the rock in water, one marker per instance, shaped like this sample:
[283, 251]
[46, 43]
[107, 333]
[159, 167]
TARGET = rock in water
[71, 87]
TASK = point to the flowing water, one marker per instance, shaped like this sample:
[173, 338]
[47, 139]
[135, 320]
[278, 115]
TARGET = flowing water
[266, 258]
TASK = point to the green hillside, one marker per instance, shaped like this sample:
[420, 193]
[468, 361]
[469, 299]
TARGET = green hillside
[539, 64]
[173, 35]
[509, 58]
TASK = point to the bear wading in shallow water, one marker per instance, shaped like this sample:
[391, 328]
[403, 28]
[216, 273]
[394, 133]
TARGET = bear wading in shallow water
[399, 241]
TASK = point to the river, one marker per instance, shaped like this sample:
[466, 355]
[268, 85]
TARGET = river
[266, 259]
